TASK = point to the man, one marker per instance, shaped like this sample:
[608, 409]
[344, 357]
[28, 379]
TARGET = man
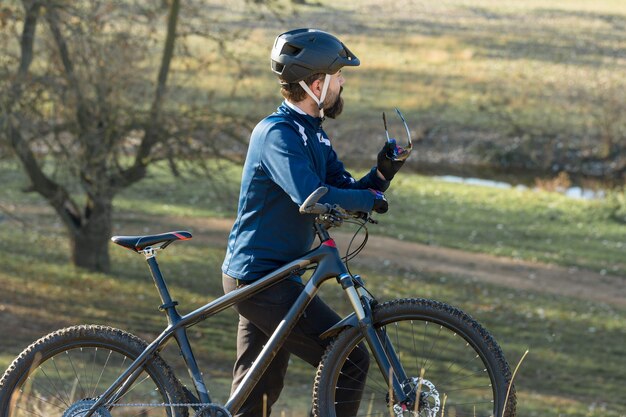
[290, 156]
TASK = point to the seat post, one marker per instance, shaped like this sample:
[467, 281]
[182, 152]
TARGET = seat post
[169, 305]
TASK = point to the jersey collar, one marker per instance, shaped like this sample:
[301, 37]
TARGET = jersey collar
[315, 122]
[295, 108]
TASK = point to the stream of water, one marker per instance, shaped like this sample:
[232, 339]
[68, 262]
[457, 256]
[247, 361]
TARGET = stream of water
[572, 191]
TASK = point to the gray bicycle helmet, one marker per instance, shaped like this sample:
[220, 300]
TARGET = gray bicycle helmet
[300, 53]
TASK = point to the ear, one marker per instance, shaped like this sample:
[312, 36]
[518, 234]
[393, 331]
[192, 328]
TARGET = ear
[316, 86]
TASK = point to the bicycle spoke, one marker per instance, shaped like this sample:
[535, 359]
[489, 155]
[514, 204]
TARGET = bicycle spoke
[72, 376]
[75, 373]
[30, 412]
[463, 367]
[398, 346]
[414, 344]
[85, 368]
[439, 362]
[43, 400]
[60, 379]
[379, 385]
[132, 388]
[93, 367]
[55, 388]
[101, 373]
[468, 388]
[445, 348]
[435, 340]
[461, 378]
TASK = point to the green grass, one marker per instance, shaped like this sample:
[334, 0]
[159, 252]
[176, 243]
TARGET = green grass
[575, 348]
[472, 69]
[466, 67]
[525, 224]
[520, 223]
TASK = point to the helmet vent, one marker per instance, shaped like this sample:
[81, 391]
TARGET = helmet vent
[291, 50]
[278, 67]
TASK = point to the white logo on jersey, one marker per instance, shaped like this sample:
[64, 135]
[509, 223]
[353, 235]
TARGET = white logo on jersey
[322, 139]
[301, 130]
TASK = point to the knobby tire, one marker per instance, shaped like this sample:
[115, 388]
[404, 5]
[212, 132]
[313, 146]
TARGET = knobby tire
[459, 358]
[79, 363]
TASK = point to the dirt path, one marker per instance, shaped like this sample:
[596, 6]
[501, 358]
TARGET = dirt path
[506, 272]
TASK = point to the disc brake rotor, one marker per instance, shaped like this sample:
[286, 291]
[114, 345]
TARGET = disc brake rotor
[429, 400]
[429, 397]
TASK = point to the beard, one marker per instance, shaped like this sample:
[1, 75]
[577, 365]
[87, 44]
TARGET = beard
[333, 110]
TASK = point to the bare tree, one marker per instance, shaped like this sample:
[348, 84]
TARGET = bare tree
[85, 104]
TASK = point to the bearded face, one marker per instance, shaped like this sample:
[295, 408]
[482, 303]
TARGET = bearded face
[333, 105]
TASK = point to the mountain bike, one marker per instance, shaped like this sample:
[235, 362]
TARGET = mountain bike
[427, 358]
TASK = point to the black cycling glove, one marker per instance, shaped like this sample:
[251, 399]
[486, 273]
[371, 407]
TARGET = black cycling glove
[380, 202]
[387, 162]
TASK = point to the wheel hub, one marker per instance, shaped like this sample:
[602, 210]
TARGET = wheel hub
[429, 400]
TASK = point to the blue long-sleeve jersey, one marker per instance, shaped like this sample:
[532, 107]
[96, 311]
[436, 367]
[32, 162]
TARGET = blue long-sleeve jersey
[289, 156]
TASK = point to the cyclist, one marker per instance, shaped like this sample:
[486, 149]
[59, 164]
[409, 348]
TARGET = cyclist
[289, 156]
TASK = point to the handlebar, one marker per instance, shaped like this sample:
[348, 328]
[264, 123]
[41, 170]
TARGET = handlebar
[311, 206]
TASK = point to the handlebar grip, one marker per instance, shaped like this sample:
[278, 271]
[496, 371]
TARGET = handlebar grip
[311, 205]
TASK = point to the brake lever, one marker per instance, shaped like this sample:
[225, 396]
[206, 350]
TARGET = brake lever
[399, 153]
[361, 215]
[371, 220]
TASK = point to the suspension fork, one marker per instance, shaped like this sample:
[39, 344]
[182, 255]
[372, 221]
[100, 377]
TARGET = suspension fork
[378, 341]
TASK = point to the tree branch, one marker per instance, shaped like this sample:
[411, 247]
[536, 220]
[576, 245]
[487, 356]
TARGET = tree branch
[28, 37]
[55, 194]
[152, 129]
[27, 41]
[82, 111]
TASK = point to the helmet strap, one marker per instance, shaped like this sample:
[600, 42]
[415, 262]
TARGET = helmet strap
[319, 101]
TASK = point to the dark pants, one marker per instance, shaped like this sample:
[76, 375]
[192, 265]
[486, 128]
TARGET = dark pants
[259, 316]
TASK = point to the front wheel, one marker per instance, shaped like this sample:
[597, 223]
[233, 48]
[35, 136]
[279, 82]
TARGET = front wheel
[453, 367]
[63, 373]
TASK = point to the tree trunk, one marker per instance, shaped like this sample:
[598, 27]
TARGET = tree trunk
[90, 241]
[84, 132]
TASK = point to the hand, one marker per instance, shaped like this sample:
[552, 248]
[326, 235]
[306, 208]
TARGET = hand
[387, 162]
[380, 202]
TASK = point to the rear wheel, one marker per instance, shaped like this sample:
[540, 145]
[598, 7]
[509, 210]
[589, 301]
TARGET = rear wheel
[452, 364]
[63, 373]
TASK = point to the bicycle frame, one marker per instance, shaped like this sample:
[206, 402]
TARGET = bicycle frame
[329, 265]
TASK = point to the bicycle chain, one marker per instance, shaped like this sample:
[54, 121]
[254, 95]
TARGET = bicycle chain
[160, 405]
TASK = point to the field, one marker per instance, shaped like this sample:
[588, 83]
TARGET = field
[574, 338]
[533, 85]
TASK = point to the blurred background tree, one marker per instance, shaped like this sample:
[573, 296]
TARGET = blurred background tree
[85, 104]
